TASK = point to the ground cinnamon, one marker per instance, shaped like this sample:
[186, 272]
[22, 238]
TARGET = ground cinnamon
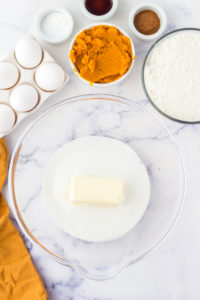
[147, 22]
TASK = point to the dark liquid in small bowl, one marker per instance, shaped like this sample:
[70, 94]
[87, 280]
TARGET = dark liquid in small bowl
[98, 7]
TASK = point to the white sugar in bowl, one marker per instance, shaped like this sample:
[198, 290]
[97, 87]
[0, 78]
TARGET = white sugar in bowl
[55, 25]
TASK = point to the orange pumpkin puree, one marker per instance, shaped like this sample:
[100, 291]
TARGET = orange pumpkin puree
[4, 156]
[101, 54]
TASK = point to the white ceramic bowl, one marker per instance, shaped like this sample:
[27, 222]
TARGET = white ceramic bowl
[148, 6]
[45, 13]
[109, 83]
[98, 18]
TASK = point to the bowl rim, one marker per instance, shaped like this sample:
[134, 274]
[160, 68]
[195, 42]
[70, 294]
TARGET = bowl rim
[159, 11]
[143, 73]
[89, 26]
[106, 16]
[31, 237]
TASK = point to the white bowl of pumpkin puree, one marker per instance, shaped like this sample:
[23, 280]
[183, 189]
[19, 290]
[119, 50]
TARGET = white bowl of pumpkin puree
[102, 54]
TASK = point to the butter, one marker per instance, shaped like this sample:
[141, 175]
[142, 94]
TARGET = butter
[96, 191]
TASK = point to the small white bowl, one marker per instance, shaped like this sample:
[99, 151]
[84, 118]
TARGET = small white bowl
[109, 83]
[98, 18]
[41, 16]
[148, 6]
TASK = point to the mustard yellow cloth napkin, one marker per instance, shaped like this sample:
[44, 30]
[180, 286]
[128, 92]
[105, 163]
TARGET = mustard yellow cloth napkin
[19, 279]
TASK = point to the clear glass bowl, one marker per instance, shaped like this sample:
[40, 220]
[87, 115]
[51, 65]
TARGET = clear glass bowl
[102, 115]
[146, 62]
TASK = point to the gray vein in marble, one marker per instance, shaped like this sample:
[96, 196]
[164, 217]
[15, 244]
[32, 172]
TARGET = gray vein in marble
[178, 130]
[171, 27]
[24, 159]
[72, 283]
[58, 249]
[32, 198]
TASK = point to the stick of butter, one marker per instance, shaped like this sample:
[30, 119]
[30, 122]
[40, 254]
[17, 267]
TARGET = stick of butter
[96, 191]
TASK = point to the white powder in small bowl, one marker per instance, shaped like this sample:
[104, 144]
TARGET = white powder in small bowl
[172, 76]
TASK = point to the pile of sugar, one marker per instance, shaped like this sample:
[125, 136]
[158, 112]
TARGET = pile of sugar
[172, 76]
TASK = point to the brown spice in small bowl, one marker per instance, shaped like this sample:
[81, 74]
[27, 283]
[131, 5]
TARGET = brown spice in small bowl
[147, 22]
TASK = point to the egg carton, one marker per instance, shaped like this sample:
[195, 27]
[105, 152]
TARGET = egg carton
[27, 76]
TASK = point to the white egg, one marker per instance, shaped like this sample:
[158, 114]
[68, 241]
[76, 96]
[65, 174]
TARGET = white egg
[9, 75]
[24, 98]
[49, 77]
[7, 118]
[28, 53]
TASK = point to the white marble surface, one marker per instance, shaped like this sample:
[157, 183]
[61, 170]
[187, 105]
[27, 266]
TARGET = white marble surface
[172, 270]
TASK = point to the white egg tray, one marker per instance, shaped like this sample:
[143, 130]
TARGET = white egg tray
[26, 76]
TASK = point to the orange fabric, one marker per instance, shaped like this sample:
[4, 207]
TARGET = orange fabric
[4, 156]
[19, 279]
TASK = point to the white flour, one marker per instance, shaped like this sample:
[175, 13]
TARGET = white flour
[172, 76]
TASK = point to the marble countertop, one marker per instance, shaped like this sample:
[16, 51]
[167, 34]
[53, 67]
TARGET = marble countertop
[172, 270]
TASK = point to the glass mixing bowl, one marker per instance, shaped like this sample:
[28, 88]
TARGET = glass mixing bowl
[146, 63]
[102, 115]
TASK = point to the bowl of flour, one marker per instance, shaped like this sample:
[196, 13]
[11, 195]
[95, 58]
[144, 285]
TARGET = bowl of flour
[171, 75]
